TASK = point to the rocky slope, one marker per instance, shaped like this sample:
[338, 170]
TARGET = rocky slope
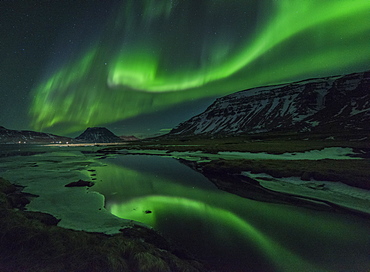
[98, 135]
[332, 104]
[8, 136]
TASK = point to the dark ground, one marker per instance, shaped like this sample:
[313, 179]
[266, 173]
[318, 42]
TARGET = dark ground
[31, 241]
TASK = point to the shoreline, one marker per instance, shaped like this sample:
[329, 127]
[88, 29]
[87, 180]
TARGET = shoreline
[32, 241]
[230, 169]
[328, 164]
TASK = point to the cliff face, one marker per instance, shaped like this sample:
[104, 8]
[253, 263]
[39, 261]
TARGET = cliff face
[332, 104]
[98, 135]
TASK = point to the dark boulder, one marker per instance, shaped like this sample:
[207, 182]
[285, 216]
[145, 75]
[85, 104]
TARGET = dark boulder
[80, 183]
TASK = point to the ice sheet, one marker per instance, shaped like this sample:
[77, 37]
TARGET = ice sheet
[334, 192]
[335, 153]
[46, 174]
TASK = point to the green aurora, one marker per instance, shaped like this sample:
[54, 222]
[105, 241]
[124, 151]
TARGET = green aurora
[153, 55]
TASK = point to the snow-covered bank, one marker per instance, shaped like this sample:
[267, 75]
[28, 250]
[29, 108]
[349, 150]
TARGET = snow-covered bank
[47, 174]
[335, 153]
[329, 191]
[333, 192]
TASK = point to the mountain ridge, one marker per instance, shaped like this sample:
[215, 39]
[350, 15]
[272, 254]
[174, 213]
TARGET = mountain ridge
[98, 135]
[10, 136]
[90, 135]
[326, 104]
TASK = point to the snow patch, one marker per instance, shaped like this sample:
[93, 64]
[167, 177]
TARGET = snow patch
[334, 192]
[335, 153]
[78, 208]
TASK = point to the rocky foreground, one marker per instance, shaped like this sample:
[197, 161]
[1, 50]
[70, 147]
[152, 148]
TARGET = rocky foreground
[31, 241]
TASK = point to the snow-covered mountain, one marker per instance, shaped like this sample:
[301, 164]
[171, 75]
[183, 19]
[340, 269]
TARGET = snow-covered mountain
[98, 135]
[331, 104]
[9, 136]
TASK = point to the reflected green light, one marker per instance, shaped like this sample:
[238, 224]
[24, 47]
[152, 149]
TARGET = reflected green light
[218, 217]
[182, 206]
[223, 223]
[153, 56]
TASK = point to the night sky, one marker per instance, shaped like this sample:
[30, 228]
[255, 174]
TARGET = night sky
[141, 66]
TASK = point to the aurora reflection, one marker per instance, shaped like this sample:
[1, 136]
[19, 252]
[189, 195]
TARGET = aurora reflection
[182, 203]
[153, 55]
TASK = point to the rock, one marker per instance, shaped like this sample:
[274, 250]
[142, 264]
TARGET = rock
[6, 187]
[18, 200]
[306, 176]
[44, 218]
[80, 183]
[316, 186]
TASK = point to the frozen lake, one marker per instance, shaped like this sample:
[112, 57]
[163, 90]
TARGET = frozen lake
[231, 232]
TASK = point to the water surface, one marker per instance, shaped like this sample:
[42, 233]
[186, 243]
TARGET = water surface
[228, 231]
[231, 232]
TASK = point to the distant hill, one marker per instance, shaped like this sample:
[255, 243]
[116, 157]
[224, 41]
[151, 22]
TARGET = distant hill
[90, 135]
[9, 136]
[129, 138]
[98, 135]
[331, 104]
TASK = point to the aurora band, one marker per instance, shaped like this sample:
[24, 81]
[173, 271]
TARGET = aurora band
[154, 56]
